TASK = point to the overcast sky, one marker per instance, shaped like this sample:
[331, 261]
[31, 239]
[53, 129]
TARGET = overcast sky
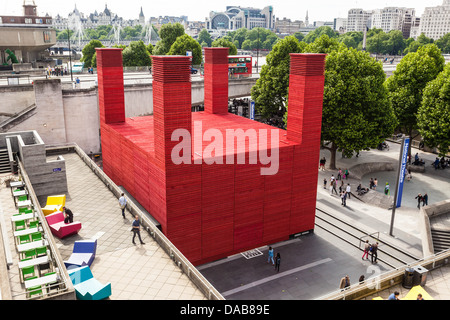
[319, 10]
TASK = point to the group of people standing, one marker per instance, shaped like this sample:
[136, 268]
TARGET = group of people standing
[422, 199]
[344, 191]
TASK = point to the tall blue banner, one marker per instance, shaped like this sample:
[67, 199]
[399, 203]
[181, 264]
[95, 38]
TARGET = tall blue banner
[252, 110]
[402, 174]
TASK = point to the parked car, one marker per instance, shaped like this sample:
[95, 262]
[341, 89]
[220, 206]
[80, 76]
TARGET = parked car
[193, 71]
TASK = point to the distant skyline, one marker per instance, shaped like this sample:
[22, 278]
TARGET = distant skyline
[198, 10]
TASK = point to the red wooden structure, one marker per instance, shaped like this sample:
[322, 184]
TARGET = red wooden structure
[210, 211]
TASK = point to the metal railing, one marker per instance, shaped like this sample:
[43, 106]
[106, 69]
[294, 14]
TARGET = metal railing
[386, 280]
[64, 283]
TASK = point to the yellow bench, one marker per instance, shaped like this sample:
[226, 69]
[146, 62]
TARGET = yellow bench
[54, 204]
[412, 294]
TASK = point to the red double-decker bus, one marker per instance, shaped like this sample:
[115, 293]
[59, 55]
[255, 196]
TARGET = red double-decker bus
[240, 66]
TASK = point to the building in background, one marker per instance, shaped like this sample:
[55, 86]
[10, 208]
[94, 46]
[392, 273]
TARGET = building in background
[340, 25]
[287, 26]
[27, 36]
[358, 20]
[393, 18]
[236, 17]
[435, 21]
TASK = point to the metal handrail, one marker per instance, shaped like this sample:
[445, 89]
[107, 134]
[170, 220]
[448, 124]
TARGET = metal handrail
[63, 274]
[389, 275]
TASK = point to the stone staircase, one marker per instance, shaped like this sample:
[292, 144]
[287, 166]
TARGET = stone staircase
[4, 161]
[441, 240]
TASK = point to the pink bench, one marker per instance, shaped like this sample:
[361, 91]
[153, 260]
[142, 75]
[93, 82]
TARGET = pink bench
[59, 228]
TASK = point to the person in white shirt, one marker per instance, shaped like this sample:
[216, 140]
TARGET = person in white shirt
[123, 204]
[348, 190]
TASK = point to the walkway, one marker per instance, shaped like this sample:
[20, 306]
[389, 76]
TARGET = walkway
[137, 272]
[312, 265]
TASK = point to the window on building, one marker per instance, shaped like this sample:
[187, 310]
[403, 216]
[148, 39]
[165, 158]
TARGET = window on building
[47, 36]
[28, 20]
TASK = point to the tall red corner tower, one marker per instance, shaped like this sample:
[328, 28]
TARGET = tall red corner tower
[304, 123]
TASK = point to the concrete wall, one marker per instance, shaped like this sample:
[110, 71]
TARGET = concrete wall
[15, 98]
[47, 177]
[72, 115]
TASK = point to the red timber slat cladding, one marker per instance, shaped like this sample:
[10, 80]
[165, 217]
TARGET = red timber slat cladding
[172, 111]
[211, 211]
[216, 80]
[306, 86]
[110, 85]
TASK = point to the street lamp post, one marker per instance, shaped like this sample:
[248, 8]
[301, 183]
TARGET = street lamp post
[70, 54]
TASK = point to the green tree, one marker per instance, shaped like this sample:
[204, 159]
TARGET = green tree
[421, 41]
[270, 92]
[357, 113]
[318, 32]
[408, 81]
[443, 43]
[204, 36]
[89, 51]
[395, 43]
[136, 54]
[186, 43]
[433, 116]
[239, 35]
[168, 33]
[300, 36]
[224, 43]
[377, 42]
[324, 44]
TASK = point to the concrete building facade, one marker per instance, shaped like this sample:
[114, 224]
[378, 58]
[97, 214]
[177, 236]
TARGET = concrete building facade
[234, 18]
[435, 21]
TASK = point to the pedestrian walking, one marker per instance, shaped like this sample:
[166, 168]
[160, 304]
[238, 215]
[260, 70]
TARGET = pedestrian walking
[348, 190]
[123, 203]
[375, 184]
[386, 189]
[136, 228]
[325, 183]
[425, 199]
[339, 176]
[334, 186]
[343, 198]
[374, 252]
[371, 183]
[366, 250]
[346, 173]
[419, 200]
[345, 283]
[270, 256]
[277, 262]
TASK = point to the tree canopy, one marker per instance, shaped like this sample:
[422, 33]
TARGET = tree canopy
[225, 43]
[136, 54]
[357, 113]
[186, 43]
[271, 89]
[433, 116]
[89, 51]
[406, 85]
[168, 34]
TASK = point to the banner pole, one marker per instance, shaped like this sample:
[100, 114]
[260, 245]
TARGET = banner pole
[400, 171]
